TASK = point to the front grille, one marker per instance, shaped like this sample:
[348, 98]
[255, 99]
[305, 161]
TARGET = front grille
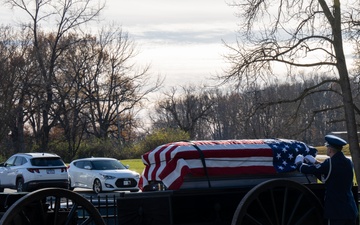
[125, 182]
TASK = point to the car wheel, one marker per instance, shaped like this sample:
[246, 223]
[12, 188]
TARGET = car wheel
[97, 186]
[70, 187]
[20, 185]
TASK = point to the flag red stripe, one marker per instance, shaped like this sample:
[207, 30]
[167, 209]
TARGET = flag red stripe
[216, 171]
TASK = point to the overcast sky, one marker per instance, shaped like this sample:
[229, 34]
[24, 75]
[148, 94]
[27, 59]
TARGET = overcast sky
[182, 40]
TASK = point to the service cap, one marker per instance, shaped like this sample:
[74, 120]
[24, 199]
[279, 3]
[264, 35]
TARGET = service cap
[334, 141]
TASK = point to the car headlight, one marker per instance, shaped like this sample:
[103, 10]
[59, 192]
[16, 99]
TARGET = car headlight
[107, 177]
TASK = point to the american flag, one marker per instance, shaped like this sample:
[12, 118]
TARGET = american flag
[171, 162]
[285, 152]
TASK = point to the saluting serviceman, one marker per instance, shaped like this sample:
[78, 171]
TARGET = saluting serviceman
[337, 174]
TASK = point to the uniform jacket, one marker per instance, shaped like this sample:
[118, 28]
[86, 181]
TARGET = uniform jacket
[337, 173]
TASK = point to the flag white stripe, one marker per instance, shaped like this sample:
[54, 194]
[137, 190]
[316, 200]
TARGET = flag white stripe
[187, 148]
[224, 163]
[175, 174]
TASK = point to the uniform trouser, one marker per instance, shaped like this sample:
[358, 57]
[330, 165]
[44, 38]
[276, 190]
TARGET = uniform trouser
[341, 222]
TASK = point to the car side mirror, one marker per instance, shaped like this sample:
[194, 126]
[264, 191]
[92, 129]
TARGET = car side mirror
[127, 166]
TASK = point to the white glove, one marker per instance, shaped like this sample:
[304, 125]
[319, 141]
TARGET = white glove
[309, 159]
[299, 159]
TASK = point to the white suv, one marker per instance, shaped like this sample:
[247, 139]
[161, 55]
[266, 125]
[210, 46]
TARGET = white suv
[31, 171]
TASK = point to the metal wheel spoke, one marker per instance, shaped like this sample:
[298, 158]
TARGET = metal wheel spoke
[87, 221]
[56, 209]
[279, 202]
[43, 212]
[23, 217]
[264, 211]
[305, 216]
[253, 220]
[18, 209]
[295, 208]
[72, 214]
[274, 206]
[285, 201]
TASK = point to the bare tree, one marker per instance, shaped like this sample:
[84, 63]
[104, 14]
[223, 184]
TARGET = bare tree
[273, 111]
[17, 73]
[188, 111]
[10, 63]
[114, 87]
[230, 110]
[305, 34]
[61, 17]
[68, 90]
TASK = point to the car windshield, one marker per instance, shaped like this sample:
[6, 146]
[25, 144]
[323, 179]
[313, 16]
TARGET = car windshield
[107, 165]
[53, 161]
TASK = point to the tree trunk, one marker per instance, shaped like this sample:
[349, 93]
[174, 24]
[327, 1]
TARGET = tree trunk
[353, 139]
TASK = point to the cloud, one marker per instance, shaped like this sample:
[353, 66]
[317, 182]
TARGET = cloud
[145, 12]
[193, 21]
[183, 36]
[180, 39]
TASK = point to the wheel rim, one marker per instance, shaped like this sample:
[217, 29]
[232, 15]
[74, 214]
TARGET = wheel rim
[73, 201]
[20, 185]
[97, 186]
[279, 202]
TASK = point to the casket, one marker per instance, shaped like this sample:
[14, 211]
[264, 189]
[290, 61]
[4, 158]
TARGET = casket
[220, 163]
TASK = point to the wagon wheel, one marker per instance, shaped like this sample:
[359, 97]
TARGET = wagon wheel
[34, 208]
[279, 202]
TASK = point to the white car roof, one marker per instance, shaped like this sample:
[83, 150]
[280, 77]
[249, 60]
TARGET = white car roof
[38, 154]
[95, 158]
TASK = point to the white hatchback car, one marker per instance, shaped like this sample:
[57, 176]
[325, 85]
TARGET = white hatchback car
[31, 171]
[102, 174]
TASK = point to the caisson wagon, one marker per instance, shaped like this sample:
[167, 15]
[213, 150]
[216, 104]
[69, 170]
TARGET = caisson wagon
[225, 182]
[200, 182]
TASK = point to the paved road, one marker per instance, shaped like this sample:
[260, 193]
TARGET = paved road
[7, 190]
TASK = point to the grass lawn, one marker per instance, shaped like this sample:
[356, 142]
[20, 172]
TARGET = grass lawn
[322, 150]
[134, 164]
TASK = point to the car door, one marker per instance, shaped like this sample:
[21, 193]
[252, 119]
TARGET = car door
[87, 176]
[76, 172]
[7, 172]
[16, 169]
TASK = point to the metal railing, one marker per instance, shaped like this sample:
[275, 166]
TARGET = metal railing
[105, 204]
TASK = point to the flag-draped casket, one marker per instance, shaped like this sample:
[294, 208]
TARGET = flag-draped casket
[171, 163]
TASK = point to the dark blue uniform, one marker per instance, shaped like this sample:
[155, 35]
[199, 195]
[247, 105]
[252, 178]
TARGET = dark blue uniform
[337, 173]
